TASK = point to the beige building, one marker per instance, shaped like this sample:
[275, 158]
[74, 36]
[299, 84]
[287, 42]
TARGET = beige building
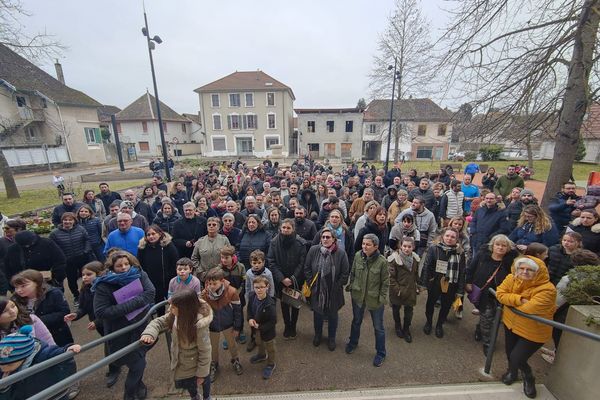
[245, 113]
[42, 120]
[330, 132]
[425, 129]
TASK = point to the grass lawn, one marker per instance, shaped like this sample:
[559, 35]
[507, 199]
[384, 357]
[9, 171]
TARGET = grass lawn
[47, 196]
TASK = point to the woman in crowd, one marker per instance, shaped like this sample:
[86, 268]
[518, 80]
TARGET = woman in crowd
[534, 226]
[321, 193]
[527, 289]
[286, 257]
[230, 231]
[179, 196]
[514, 207]
[345, 238]
[404, 274]
[489, 179]
[97, 206]
[13, 316]
[207, 250]
[491, 264]
[74, 242]
[254, 237]
[326, 270]
[158, 257]
[93, 227]
[376, 225]
[273, 221]
[148, 196]
[308, 200]
[166, 217]
[198, 191]
[444, 276]
[204, 210]
[588, 226]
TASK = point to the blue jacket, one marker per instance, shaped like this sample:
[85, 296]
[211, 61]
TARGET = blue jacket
[560, 211]
[485, 224]
[127, 241]
[93, 227]
[526, 235]
[257, 240]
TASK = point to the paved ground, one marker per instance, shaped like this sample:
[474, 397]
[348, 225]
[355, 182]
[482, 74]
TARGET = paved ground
[456, 358]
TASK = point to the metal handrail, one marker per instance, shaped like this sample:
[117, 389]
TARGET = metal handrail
[554, 324]
[34, 369]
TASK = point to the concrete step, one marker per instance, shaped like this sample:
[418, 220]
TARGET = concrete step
[476, 391]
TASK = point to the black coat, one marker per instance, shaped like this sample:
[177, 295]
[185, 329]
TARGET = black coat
[306, 230]
[558, 262]
[486, 223]
[144, 209]
[108, 199]
[311, 205]
[482, 267]
[371, 227]
[166, 223]
[286, 259]
[257, 240]
[265, 314]
[159, 261]
[337, 282]
[74, 242]
[348, 244]
[51, 308]
[60, 209]
[185, 230]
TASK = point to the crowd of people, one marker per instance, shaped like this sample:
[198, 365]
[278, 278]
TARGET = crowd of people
[229, 245]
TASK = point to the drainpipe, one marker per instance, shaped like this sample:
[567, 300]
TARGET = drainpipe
[62, 123]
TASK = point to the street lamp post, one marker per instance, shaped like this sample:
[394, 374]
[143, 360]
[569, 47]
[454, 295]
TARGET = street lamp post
[389, 139]
[151, 46]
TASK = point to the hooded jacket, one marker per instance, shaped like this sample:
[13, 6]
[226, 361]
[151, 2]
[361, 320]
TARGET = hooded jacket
[286, 258]
[51, 309]
[403, 280]
[159, 260]
[311, 205]
[390, 197]
[165, 222]
[540, 294]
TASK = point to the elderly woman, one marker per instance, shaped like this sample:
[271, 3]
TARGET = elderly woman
[230, 231]
[534, 226]
[207, 250]
[326, 271]
[527, 289]
[444, 276]
[488, 269]
[588, 226]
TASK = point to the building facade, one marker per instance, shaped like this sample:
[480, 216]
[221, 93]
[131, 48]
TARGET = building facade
[331, 132]
[245, 114]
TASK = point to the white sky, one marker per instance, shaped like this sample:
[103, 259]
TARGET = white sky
[322, 49]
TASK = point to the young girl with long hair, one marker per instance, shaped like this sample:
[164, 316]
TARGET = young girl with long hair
[188, 319]
[13, 316]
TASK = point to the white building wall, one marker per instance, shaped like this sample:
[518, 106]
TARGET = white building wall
[330, 143]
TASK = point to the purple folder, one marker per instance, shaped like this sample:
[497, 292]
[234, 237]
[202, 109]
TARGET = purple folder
[128, 292]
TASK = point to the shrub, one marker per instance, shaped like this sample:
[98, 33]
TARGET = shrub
[580, 153]
[470, 156]
[491, 152]
[584, 285]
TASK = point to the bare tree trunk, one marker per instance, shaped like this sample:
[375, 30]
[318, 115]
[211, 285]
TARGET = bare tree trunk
[529, 151]
[397, 143]
[12, 192]
[575, 100]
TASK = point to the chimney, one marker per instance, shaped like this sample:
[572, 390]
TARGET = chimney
[59, 72]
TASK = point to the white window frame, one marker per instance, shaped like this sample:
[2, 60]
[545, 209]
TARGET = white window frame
[245, 124]
[372, 129]
[87, 132]
[246, 99]
[314, 126]
[212, 103]
[230, 118]
[274, 120]
[31, 133]
[278, 137]
[220, 122]
[239, 98]
[267, 99]
[212, 141]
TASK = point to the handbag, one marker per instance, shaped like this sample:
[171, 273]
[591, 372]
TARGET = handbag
[307, 288]
[475, 294]
[292, 296]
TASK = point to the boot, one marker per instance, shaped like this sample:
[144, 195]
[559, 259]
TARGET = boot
[427, 328]
[398, 328]
[439, 331]
[407, 334]
[529, 384]
[508, 378]
[478, 335]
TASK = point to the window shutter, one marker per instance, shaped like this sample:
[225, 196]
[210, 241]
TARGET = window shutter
[229, 121]
[245, 121]
[98, 135]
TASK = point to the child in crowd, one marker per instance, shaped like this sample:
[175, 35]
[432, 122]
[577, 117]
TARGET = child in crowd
[407, 228]
[537, 250]
[404, 274]
[19, 351]
[257, 262]
[262, 318]
[185, 278]
[235, 274]
[45, 301]
[14, 316]
[188, 319]
[225, 303]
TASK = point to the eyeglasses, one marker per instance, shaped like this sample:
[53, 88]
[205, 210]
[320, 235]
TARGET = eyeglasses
[326, 237]
[211, 224]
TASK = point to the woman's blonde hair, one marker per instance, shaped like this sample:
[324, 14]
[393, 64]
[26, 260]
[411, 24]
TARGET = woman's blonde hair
[542, 221]
[500, 238]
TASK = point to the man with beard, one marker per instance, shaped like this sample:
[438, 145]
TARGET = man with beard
[305, 228]
[139, 206]
[452, 203]
[488, 221]
[507, 182]
[424, 221]
[562, 205]
[187, 230]
[514, 209]
[68, 205]
[423, 191]
[106, 195]
[251, 207]
[293, 192]
[379, 190]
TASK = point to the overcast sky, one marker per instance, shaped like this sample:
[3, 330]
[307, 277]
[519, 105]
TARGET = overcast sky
[322, 49]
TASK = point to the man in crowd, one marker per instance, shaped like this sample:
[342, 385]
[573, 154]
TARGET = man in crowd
[562, 206]
[139, 207]
[126, 237]
[424, 221]
[137, 220]
[358, 206]
[106, 195]
[251, 207]
[423, 191]
[507, 182]
[187, 230]
[452, 203]
[293, 192]
[68, 205]
[488, 220]
[470, 191]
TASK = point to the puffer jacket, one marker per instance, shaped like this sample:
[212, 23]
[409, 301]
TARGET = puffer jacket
[403, 280]
[93, 227]
[187, 359]
[73, 242]
[558, 262]
[526, 235]
[166, 223]
[51, 308]
[159, 260]
[540, 294]
[286, 258]
[370, 280]
[253, 240]
[227, 309]
[590, 235]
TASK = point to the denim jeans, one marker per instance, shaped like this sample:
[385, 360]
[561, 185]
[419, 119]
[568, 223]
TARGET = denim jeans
[332, 324]
[358, 313]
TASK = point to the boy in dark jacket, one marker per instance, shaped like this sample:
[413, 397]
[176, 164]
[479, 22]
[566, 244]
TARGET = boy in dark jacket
[227, 318]
[262, 317]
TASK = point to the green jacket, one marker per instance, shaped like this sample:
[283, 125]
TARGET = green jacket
[370, 280]
[506, 184]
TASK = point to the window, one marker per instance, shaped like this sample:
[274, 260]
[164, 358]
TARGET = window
[330, 126]
[30, 134]
[346, 150]
[422, 130]
[270, 99]
[270, 141]
[119, 127]
[183, 128]
[234, 100]
[330, 149]
[442, 129]
[215, 100]
[217, 122]
[92, 136]
[219, 144]
[233, 121]
[250, 121]
[144, 127]
[311, 126]
[21, 102]
[144, 146]
[165, 127]
[424, 152]
[44, 103]
[271, 121]
[349, 126]
[249, 99]
[372, 128]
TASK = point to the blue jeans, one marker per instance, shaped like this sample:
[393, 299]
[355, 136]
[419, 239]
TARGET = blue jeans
[358, 313]
[332, 324]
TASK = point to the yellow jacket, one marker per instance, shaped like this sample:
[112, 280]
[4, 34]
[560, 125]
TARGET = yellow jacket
[541, 296]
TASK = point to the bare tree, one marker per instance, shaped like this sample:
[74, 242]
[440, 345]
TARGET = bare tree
[406, 40]
[506, 52]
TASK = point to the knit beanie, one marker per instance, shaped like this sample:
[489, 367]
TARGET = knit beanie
[126, 204]
[17, 346]
[526, 191]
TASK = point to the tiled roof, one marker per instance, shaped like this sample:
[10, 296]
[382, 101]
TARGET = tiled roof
[245, 80]
[591, 126]
[105, 112]
[193, 117]
[144, 109]
[406, 110]
[27, 77]
[326, 110]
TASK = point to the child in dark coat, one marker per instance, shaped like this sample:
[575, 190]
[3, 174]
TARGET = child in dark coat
[262, 318]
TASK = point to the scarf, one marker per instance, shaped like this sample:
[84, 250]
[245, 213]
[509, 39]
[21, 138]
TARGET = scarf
[214, 296]
[121, 279]
[407, 261]
[453, 253]
[326, 271]
[338, 231]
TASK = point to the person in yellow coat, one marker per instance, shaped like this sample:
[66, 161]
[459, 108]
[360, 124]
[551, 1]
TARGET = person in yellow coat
[527, 289]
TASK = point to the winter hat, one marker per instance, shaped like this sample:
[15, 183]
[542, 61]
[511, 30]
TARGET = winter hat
[17, 346]
[166, 200]
[527, 191]
[126, 204]
[25, 238]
